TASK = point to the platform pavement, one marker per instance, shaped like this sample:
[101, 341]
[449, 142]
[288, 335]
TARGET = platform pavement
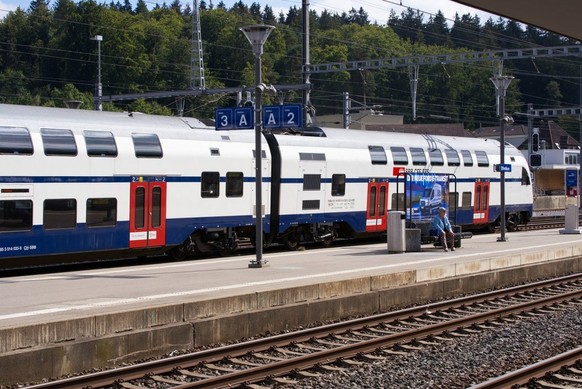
[152, 308]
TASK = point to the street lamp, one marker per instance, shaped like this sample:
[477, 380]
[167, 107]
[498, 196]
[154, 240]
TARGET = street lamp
[98, 87]
[501, 84]
[257, 35]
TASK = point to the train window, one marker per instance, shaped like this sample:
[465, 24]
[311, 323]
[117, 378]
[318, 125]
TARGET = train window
[418, 156]
[100, 144]
[399, 155]
[263, 154]
[482, 159]
[15, 215]
[15, 140]
[466, 200]
[452, 157]
[215, 152]
[372, 204]
[234, 184]
[453, 200]
[58, 142]
[436, 157]
[101, 212]
[139, 207]
[310, 204]
[382, 202]
[525, 179]
[311, 156]
[467, 158]
[156, 207]
[210, 184]
[378, 155]
[147, 146]
[311, 181]
[338, 184]
[59, 213]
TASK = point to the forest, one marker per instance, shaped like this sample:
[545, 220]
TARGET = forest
[47, 57]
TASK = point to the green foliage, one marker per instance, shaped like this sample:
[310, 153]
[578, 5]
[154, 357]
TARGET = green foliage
[47, 57]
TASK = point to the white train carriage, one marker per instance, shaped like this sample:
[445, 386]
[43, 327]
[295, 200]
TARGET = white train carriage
[83, 181]
[341, 183]
[118, 184]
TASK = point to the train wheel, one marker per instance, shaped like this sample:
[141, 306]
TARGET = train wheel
[291, 242]
[327, 241]
[178, 253]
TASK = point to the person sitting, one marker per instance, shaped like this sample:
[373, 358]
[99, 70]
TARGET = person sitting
[441, 227]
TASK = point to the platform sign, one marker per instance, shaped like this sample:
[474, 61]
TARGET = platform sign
[503, 167]
[240, 118]
[282, 116]
[272, 116]
[571, 178]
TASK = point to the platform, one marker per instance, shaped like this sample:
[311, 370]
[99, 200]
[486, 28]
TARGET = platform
[83, 319]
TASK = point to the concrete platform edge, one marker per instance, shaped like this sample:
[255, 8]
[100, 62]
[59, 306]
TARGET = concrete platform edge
[99, 341]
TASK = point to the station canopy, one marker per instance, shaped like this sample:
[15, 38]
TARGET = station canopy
[559, 16]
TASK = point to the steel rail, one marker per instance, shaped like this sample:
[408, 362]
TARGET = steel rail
[537, 370]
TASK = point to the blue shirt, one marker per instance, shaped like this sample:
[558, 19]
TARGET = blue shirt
[441, 225]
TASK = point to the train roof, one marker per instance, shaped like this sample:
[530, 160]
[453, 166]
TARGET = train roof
[21, 114]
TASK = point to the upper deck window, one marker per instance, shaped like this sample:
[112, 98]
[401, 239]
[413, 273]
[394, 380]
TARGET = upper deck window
[378, 155]
[482, 159]
[58, 142]
[147, 146]
[399, 155]
[467, 158]
[100, 144]
[418, 156]
[436, 157]
[452, 157]
[15, 140]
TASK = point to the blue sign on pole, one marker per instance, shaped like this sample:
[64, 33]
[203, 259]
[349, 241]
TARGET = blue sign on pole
[282, 116]
[234, 118]
[571, 178]
[292, 116]
[224, 118]
[504, 167]
[272, 116]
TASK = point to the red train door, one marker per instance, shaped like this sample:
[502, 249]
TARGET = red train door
[147, 212]
[377, 201]
[481, 203]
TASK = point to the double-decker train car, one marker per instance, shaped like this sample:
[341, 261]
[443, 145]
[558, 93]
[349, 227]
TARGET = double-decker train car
[75, 182]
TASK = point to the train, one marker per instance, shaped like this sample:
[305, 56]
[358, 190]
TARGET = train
[78, 183]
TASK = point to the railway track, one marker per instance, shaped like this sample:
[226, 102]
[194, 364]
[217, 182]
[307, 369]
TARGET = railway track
[283, 358]
[559, 371]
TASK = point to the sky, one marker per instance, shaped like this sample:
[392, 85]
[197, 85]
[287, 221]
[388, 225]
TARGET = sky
[378, 10]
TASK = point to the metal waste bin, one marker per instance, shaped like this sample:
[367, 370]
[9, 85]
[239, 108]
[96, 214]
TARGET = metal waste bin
[396, 232]
[571, 220]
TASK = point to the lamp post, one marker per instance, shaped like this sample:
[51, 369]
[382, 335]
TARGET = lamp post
[257, 35]
[501, 83]
[98, 87]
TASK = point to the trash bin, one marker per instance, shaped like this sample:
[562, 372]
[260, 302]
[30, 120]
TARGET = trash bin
[571, 220]
[396, 235]
[412, 239]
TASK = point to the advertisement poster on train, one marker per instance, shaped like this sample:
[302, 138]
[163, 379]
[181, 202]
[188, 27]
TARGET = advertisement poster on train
[428, 192]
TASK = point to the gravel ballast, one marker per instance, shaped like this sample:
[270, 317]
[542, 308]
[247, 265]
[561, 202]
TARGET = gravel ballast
[466, 361]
